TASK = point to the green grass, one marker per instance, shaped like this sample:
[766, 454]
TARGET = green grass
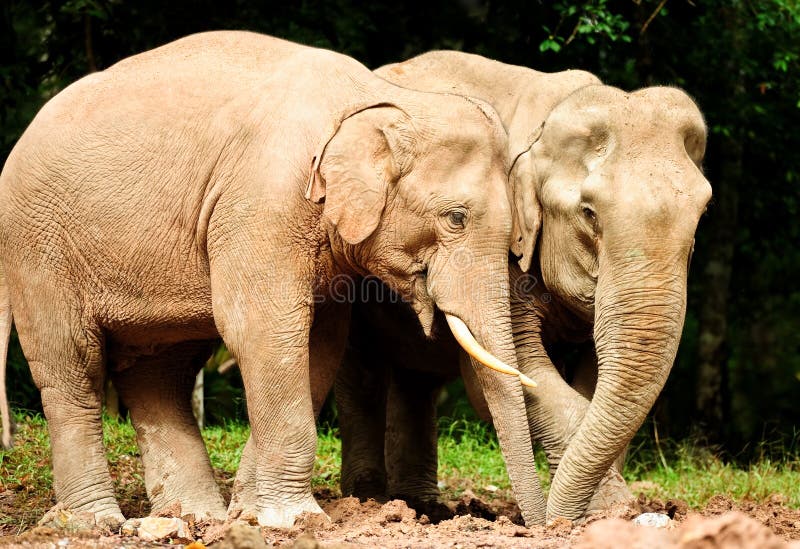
[690, 472]
[27, 464]
[469, 458]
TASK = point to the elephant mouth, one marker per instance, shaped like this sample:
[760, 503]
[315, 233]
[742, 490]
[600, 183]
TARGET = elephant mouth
[421, 301]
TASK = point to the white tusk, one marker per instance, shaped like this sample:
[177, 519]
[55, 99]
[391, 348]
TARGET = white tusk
[471, 346]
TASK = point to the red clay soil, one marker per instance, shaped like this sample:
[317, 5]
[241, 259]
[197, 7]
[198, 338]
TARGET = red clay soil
[478, 524]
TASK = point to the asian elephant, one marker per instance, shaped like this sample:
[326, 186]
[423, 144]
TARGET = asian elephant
[609, 188]
[225, 185]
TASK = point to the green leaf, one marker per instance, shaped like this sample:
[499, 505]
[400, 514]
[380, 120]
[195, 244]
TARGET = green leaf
[549, 45]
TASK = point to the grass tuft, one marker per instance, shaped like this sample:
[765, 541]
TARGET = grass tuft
[469, 458]
[693, 473]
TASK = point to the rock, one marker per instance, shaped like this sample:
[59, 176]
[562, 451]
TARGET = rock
[653, 520]
[242, 536]
[130, 527]
[162, 528]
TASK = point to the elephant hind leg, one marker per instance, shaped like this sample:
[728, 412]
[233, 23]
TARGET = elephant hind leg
[360, 390]
[157, 391]
[67, 365]
[411, 442]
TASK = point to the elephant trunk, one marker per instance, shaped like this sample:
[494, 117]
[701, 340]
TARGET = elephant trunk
[484, 308]
[639, 312]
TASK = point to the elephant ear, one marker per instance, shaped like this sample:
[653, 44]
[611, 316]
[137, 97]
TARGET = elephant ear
[355, 168]
[527, 209]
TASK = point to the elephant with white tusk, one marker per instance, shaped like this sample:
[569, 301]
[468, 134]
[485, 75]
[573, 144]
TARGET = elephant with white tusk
[608, 191]
[225, 185]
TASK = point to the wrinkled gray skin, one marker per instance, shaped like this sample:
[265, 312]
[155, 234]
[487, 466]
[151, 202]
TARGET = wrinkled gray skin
[177, 197]
[613, 179]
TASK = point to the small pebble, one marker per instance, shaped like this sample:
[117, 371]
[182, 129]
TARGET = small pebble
[653, 520]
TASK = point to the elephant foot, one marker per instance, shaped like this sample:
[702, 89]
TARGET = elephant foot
[366, 486]
[611, 491]
[283, 516]
[200, 508]
[60, 517]
[433, 508]
[243, 503]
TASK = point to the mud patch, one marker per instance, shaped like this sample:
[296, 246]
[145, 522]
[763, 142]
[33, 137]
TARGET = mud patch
[478, 523]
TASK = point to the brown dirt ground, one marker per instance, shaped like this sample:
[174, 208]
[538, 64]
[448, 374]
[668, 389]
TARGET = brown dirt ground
[479, 523]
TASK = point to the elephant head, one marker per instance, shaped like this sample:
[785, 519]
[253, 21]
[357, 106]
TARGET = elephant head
[619, 188]
[423, 204]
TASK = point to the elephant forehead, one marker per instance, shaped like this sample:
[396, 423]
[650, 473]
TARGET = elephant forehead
[649, 110]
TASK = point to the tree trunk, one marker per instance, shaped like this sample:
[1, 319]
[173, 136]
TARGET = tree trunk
[712, 375]
[711, 347]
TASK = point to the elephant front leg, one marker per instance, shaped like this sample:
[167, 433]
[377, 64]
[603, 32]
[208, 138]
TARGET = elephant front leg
[282, 429]
[327, 343]
[266, 327]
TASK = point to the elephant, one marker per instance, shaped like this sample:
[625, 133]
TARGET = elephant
[226, 185]
[610, 188]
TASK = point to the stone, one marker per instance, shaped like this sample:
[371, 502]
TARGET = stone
[130, 527]
[242, 536]
[653, 520]
[162, 528]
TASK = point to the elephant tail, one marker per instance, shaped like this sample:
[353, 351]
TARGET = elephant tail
[5, 335]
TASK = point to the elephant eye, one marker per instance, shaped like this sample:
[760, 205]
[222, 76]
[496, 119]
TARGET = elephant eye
[457, 219]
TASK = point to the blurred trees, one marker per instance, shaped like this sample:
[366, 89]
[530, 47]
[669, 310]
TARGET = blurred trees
[737, 375]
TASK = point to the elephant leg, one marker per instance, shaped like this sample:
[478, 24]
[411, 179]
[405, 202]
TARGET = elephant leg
[282, 427]
[244, 496]
[264, 315]
[67, 365]
[584, 374]
[327, 345]
[157, 390]
[411, 441]
[360, 389]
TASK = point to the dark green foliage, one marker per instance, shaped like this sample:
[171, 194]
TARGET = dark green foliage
[739, 59]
